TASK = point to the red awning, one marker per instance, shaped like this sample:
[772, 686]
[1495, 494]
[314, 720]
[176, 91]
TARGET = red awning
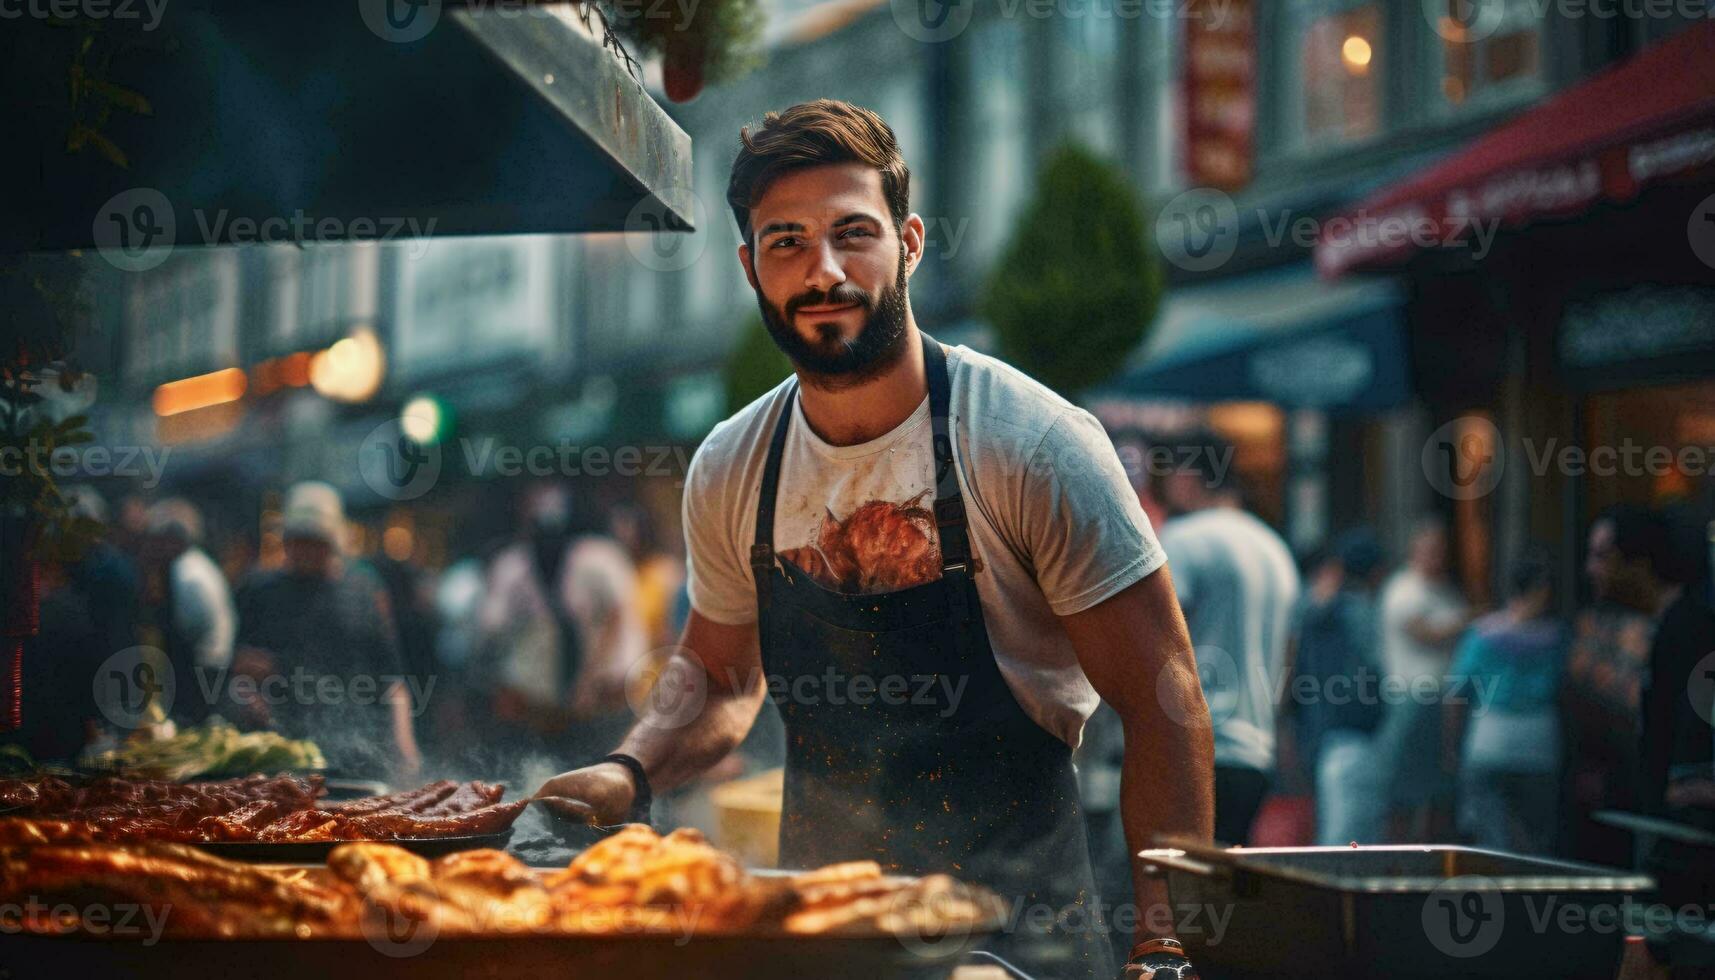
[1647, 119]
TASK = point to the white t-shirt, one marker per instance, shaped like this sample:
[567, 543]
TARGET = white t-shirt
[1238, 585]
[202, 607]
[1054, 525]
[1409, 596]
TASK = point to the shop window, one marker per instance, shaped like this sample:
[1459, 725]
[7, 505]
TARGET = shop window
[1338, 61]
[1486, 52]
[1653, 446]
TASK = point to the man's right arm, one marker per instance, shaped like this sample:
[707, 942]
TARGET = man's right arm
[699, 709]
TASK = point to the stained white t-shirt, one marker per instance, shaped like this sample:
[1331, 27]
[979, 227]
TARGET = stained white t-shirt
[1055, 526]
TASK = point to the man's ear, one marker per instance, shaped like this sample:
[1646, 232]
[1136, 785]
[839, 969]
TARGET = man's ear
[912, 234]
[744, 260]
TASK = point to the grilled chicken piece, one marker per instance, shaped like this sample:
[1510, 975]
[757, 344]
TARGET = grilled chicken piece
[368, 865]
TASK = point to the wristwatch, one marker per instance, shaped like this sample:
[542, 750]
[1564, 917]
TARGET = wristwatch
[643, 796]
[1155, 959]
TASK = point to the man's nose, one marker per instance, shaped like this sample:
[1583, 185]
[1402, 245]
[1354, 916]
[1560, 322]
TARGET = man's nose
[824, 272]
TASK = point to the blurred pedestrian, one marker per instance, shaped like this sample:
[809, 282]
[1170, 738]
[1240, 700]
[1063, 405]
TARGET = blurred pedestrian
[1422, 614]
[561, 610]
[1600, 697]
[660, 573]
[89, 612]
[1334, 691]
[1502, 695]
[105, 575]
[316, 641]
[193, 611]
[1655, 572]
[411, 606]
[1237, 583]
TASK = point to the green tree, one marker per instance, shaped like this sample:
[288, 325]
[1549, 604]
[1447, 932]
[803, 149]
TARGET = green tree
[1077, 286]
[754, 366]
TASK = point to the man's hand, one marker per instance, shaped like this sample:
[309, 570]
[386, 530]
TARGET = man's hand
[601, 794]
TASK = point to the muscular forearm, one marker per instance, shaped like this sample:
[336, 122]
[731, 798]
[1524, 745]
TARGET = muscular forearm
[692, 720]
[1167, 787]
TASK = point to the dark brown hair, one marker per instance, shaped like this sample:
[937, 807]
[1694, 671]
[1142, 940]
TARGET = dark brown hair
[812, 134]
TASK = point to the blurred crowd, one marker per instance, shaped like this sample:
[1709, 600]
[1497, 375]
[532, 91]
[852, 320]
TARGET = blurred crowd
[528, 647]
[1361, 697]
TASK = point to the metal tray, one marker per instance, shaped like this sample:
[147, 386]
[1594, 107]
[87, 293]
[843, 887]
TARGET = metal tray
[315, 852]
[634, 957]
[1412, 911]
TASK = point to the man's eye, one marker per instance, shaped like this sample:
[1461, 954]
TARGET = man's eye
[783, 241]
[856, 231]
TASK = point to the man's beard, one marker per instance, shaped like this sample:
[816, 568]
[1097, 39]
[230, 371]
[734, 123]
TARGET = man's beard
[832, 362]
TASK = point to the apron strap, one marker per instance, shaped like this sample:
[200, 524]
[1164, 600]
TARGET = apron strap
[949, 502]
[762, 547]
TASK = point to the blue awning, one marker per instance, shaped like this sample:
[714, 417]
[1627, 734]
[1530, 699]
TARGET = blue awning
[1282, 336]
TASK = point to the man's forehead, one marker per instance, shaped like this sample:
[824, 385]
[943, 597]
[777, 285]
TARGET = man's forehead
[822, 193]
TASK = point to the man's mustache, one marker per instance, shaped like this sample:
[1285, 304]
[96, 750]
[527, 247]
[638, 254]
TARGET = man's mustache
[834, 297]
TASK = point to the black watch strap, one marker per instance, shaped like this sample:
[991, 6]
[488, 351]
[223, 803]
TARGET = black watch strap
[644, 796]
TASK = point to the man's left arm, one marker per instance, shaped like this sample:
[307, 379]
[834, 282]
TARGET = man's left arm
[1136, 651]
[1103, 571]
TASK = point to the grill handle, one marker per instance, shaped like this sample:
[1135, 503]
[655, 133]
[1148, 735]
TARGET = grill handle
[1185, 854]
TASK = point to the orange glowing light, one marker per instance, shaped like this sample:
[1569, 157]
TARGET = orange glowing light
[202, 391]
[1356, 53]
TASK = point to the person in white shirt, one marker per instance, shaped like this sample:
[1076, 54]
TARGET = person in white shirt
[1238, 585]
[1422, 614]
[197, 620]
[560, 607]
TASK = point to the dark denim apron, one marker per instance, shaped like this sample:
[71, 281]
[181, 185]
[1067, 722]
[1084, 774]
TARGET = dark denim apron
[904, 743]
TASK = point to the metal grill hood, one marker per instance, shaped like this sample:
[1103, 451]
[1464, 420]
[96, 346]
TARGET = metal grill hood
[299, 120]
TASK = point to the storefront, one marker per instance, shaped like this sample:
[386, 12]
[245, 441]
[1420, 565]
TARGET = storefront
[1564, 304]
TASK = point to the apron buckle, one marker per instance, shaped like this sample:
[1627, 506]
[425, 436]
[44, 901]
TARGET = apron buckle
[761, 557]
